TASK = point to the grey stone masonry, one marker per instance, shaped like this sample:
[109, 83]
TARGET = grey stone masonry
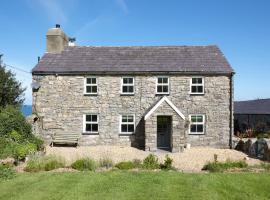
[60, 102]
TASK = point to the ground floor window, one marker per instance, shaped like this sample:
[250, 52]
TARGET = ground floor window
[127, 124]
[90, 123]
[197, 123]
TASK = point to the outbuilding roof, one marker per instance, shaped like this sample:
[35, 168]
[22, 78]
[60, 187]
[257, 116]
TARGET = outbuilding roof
[135, 59]
[258, 106]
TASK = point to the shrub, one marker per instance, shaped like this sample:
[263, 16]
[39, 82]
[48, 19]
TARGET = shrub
[265, 166]
[223, 166]
[22, 150]
[151, 162]
[85, 164]
[106, 162]
[44, 163]
[6, 172]
[167, 165]
[125, 165]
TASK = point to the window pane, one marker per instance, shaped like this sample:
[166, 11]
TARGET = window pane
[199, 118]
[130, 89]
[94, 89]
[130, 128]
[194, 89]
[165, 89]
[194, 80]
[200, 89]
[88, 89]
[88, 127]
[193, 118]
[192, 128]
[159, 89]
[159, 80]
[130, 80]
[165, 80]
[130, 118]
[94, 127]
[124, 128]
[94, 118]
[199, 80]
[124, 118]
[88, 80]
[199, 128]
[125, 80]
[125, 89]
[88, 118]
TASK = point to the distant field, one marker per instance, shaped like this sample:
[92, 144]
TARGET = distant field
[136, 185]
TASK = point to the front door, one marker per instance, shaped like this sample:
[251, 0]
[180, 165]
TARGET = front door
[163, 132]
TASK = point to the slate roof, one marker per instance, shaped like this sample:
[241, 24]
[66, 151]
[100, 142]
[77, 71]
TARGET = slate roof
[135, 59]
[259, 106]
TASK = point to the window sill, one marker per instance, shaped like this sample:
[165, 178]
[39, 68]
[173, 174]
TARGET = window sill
[196, 94]
[196, 133]
[160, 94]
[126, 134]
[127, 94]
[92, 94]
[87, 133]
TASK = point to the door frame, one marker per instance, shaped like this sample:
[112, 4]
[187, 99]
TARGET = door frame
[169, 146]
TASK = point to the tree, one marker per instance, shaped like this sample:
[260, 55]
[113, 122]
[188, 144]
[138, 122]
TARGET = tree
[11, 90]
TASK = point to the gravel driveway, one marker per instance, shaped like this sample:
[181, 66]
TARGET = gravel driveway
[191, 160]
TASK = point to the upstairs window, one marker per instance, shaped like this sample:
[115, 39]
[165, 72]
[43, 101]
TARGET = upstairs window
[197, 85]
[162, 86]
[90, 123]
[127, 124]
[196, 124]
[91, 86]
[127, 85]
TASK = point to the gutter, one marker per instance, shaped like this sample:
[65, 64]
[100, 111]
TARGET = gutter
[231, 110]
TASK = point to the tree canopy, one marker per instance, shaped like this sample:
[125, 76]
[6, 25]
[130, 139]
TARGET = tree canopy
[11, 90]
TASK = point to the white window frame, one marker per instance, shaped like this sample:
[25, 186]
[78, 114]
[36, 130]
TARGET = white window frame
[120, 124]
[162, 84]
[127, 84]
[90, 84]
[197, 123]
[85, 122]
[197, 84]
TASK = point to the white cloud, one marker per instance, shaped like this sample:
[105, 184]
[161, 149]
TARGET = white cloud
[123, 5]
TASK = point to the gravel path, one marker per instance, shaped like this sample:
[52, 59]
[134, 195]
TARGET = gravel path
[191, 160]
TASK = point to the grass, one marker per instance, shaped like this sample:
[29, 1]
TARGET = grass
[136, 185]
[223, 166]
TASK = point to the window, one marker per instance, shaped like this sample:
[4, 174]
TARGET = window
[196, 124]
[127, 124]
[90, 85]
[197, 85]
[127, 85]
[162, 85]
[90, 123]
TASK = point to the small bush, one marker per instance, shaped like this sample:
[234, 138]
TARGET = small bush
[106, 162]
[85, 164]
[6, 172]
[151, 162]
[125, 165]
[44, 163]
[265, 166]
[223, 166]
[167, 165]
[22, 150]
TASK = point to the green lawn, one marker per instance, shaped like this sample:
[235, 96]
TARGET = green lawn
[136, 185]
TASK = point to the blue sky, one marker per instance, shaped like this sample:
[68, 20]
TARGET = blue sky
[241, 28]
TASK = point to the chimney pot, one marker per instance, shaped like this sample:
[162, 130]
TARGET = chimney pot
[57, 25]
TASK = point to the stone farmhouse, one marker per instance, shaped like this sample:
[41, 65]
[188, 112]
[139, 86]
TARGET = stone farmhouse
[149, 97]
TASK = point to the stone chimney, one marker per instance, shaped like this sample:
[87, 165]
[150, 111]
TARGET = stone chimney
[56, 40]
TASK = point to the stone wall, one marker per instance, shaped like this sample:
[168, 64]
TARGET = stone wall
[60, 103]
